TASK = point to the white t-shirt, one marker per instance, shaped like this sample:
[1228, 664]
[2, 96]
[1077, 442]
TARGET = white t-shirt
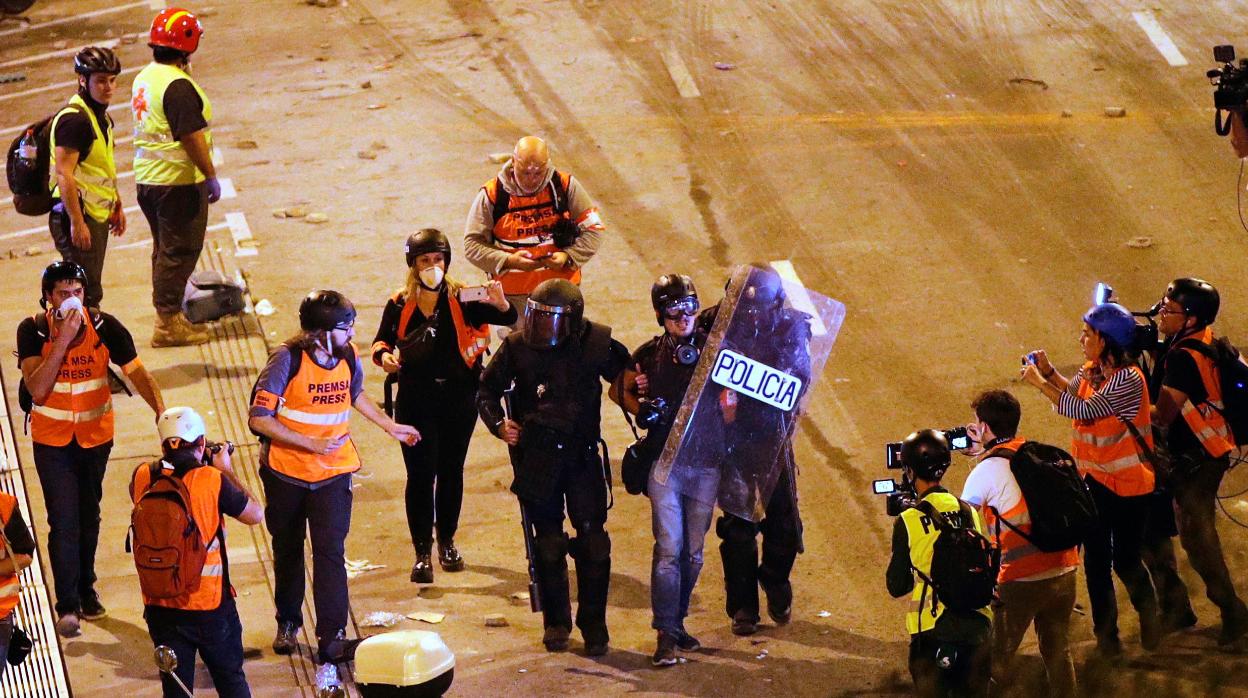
[992, 484]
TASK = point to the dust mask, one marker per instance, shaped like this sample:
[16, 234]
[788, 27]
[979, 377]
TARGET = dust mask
[431, 277]
[71, 304]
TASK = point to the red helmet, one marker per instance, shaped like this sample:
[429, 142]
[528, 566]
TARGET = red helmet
[176, 28]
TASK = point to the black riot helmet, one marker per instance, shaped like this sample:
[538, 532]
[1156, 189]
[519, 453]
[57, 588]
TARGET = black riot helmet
[96, 59]
[56, 272]
[325, 310]
[763, 297]
[675, 293]
[424, 241]
[926, 453]
[553, 312]
[1198, 297]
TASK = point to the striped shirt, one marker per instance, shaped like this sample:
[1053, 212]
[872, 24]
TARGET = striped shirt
[1119, 396]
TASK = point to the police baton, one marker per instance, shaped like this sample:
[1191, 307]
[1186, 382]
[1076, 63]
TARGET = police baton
[535, 597]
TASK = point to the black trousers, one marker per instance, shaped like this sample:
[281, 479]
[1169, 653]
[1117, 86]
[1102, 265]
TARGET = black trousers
[72, 479]
[1195, 482]
[92, 260]
[1114, 545]
[968, 672]
[435, 465]
[325, 514]
[739, 550]
[1157, 552]
[217, 638]
[178, 217]
[583, 489]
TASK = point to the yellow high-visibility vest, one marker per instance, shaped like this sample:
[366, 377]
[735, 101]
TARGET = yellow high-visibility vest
[922, 534]
[96, 174]
[158, 158]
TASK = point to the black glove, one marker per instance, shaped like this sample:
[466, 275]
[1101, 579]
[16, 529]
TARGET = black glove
[564, 233]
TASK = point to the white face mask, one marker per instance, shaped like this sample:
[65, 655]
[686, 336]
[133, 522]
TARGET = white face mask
[70, 305]
[431, 277]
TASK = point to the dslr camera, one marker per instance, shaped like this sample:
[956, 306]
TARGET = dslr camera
[901, 496]
[652, 412]
[1230, 84]
[212, 448]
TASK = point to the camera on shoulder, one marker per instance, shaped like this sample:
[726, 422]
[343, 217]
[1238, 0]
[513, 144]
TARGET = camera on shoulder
[1230, 83]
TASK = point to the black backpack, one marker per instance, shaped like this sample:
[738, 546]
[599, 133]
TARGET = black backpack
[1058, 501]
[965, 563]
[1232, 378]
[29, 180]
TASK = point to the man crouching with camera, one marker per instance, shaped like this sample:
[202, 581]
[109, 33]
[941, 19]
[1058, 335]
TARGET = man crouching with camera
[950, 626]
[653, 389]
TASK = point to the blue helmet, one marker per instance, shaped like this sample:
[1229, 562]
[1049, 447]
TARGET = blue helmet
[1113, 322]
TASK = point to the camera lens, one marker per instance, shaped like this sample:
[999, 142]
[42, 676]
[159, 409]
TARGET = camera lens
[687, 354]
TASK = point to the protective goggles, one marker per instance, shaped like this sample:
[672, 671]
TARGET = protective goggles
[685, 307]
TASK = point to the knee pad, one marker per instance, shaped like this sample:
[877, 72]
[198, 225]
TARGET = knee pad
[550, 547]
[732, 529]
[592, 545]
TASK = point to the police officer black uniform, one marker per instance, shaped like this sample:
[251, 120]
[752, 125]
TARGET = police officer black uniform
[549, 374]
[779, 337]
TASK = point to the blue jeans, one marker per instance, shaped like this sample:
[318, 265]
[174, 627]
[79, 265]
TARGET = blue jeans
[680, 523]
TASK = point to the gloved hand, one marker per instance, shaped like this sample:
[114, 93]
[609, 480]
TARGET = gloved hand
[214, 190]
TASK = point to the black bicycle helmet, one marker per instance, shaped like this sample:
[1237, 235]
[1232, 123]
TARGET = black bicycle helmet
[1198, 297]
[926, 452]
[96, 59]
[424, 241]
[325, 310]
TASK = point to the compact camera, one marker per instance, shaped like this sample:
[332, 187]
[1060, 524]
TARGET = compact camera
[651, 412]
[1230, 87]
[212, 448]
[958, 438]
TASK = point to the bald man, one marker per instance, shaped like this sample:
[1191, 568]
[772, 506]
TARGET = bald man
[531, 223]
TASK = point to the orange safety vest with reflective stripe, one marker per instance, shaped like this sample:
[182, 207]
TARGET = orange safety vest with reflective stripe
[473, 340]
[1019, 557]
[204, 485]
[1107, 450]
[9, 585]
[1206, 420]
[80, 405]
[526, 225]
[316, 403]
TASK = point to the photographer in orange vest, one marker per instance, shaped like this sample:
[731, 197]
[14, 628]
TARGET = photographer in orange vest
[16, 548]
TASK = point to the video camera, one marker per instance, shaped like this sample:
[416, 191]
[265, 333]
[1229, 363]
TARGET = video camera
[901, 496]
[1230, 87]
[1147, 338]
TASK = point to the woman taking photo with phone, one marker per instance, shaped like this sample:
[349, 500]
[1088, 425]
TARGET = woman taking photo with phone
[1113, 445]
[433, 334]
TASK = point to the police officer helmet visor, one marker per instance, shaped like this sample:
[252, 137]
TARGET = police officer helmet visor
[546, 326]
[685, 307]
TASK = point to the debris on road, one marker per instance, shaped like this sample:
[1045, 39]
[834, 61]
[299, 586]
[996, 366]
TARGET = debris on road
[34, 251]
[1028, 82]
[368, 20]
[316, 218]
[520, 598]
[366, 155]
[1115, 112]
[427, 616]
[825, 614]
[496, 620]
[357, 567]
[264, 308]
[378, 145]
[246, 144]
[761, 655]
[129, 39]
[375, 107]
[322, 3]
[1066, 113]
[12, 77]
[1140, 242]
[381, 619]
[366, 85]
[720, 65]
[499, 158]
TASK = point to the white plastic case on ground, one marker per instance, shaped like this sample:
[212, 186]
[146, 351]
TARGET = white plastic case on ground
[402, 658]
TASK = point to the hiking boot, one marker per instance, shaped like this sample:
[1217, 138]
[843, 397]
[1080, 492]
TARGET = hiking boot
[285, 641]
[449, 558]
[90, 608]
[665, 653]
[686, 642]
[68, 626]
[744, 624]
[327, 681]
[176, 331]
[780, 604]
[556, 638]
[422, 571]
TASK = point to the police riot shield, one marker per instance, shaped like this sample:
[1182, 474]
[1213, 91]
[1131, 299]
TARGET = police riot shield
[732, 435]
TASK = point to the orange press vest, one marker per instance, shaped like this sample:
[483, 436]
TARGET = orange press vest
[1019, 557]
[204, 485]
[473, 340]
[316, 403]
[1206, 420]
[1106, 449]
[80, 405]
[526, 225]
[9, 586]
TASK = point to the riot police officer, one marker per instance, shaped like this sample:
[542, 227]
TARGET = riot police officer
[541, 394]
[758, 443]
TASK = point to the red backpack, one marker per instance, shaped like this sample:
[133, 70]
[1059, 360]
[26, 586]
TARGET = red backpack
[169, 551]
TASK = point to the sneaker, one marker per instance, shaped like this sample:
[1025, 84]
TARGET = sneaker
[176, 331]
[68, 626]
[91, 608]
[780, 605]
[665, 653]
[449, 558]
[422, 571]
[556, 638]
[341, 649]
[327, 681]
[285, 642]
[595, 649]
[686, 642]
[744, 624]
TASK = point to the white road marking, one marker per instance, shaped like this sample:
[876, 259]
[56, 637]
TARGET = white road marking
[108, 43]
[227, 188]
[148, 241]
[244, 244]
[10, 130]
[150, 4]
[68, 84]
[1160, 38]
[680, 74]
